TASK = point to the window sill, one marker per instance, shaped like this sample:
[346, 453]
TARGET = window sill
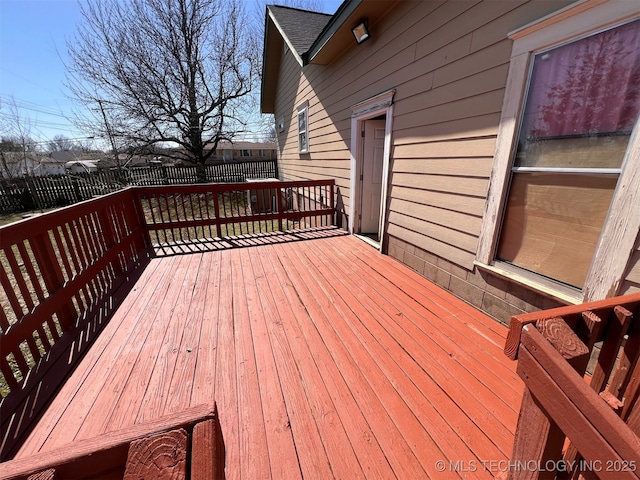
[557, 291]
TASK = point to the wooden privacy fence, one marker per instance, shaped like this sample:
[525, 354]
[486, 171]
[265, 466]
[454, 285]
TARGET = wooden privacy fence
[600, 416]
[65, 272]
[28, 193]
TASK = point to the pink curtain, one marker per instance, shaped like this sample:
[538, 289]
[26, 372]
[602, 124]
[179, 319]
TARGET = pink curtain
[590, 86]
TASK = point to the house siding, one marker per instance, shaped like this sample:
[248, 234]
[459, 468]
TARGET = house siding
[448, 64]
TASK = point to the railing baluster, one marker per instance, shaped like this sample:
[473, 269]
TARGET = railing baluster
[52, 274]
[22, 286]
[4, 321]
[7, 373]
[33, 277]
[218, 216]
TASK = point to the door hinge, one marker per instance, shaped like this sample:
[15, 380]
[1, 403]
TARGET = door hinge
[361, 177]
[362, 133]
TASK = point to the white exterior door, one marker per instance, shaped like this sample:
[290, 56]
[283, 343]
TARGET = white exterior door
[371, 175]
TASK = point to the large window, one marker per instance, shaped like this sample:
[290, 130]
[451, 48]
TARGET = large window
[559, 214]
[582, 103]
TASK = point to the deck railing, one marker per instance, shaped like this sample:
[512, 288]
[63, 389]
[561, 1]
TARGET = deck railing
[176, 215]
[599, 416]
[64, 273]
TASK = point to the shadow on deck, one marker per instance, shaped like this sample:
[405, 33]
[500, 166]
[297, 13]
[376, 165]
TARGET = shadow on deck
[325, 358]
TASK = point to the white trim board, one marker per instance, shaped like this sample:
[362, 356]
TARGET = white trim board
[381, 104]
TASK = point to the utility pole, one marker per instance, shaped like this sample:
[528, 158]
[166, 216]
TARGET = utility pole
[113, 143]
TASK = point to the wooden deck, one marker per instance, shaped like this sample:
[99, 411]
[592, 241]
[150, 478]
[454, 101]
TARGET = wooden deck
[326, 360]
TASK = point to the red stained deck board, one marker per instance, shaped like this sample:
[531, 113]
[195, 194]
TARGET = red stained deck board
[252, 435]
[375, 396]
[225, 381]
[168, 348]
[280, 442]
[129, 382]
[449, 426]
[84, 385]
[310, 450]
[482, 404]
[314, 373]
[183, 372]
[328, 422]
[360, 435]
[439, 441]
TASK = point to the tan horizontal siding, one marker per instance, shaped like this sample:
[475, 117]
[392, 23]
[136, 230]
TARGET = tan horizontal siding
[448, 63]
[445, 218]
[451, 201]
[443, 183]
[478, 105]
[460, 129]
[451, 252]
[476, 148]
[458, 167]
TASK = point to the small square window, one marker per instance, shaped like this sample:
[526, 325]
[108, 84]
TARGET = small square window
[245, 153]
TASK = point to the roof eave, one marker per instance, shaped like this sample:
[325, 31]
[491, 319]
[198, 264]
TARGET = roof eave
[268, 86]
[343, 13]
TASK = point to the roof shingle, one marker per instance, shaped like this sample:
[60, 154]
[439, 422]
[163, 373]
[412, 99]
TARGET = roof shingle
[301, 27]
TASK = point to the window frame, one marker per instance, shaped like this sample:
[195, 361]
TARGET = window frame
[244, 152]
[303, 110]
[620, 230]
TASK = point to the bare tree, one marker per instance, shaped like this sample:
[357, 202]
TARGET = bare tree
[17, 148]
[168, 72]
[61, 143]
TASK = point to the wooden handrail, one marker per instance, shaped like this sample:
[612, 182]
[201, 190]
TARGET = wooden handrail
[571, 314]
[600, 417]
[91, 458]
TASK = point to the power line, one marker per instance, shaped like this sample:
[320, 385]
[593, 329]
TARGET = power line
[33, 107]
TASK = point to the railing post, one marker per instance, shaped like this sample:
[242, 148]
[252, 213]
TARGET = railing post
[140, 217]
[538, 438]
[216, 208]
[280, 211]
[332, 205]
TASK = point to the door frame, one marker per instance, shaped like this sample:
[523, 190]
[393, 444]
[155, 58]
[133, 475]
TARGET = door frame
[381, 104]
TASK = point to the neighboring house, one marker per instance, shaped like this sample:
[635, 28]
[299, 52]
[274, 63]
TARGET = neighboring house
[239, 151]
[54, 163]
[82, 166]
[493, 147]
[16, 165]
[32, 165]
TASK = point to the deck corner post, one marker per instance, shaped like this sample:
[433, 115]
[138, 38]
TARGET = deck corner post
[538, 438]
[140, 217]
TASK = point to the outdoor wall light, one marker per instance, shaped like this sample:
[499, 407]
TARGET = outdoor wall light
[360, 31]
